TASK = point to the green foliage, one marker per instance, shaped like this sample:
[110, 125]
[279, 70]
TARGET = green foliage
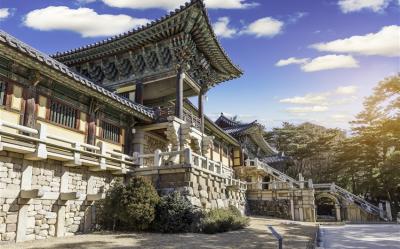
[222, 220]
[366, 163]
[174, 214]
[130, 206]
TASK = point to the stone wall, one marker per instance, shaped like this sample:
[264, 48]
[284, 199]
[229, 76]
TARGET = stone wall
[301, 203]
[273, 208]
[46, 216]
[152, 143]
[203, 190]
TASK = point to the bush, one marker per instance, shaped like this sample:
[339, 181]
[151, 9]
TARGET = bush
[224, 219]
[130, 206]
[174, 214]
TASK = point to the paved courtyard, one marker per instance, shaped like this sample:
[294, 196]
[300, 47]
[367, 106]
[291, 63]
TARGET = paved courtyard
[296, 235]
[366, 236]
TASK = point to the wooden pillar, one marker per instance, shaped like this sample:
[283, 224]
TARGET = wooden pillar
[201, 110]
[139, 92]
[129, 135]
[179, 93]
[92, 122]
[30, 107]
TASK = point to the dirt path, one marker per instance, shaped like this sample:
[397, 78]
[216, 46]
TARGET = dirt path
[296, 235]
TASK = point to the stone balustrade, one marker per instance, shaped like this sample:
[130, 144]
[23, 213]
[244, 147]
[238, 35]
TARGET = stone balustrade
[37, 144]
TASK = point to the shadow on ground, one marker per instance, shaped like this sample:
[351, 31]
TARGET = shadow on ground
[255, 236]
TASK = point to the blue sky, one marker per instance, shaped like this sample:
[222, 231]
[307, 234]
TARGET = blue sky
[304, 60]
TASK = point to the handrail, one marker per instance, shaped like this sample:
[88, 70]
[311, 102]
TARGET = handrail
[277, 236]
[18, 127]
[370, 208]
[41, 140]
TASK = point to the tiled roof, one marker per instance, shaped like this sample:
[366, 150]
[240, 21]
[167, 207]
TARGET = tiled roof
[43, 58]
[239, 129]
[203, 35]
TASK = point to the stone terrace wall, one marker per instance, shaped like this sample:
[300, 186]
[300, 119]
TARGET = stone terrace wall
[38, 218]
[202, 189]
[301, 203]
[273, 208]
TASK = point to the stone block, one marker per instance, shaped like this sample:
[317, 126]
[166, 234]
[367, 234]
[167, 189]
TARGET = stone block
[9, 236]
[51, 221]
[3, 228]
[52, 230]
[51, 215]
[11, 218]
[11, 227]
[30, 222]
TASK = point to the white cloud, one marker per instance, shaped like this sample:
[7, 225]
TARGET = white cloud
[172, 4]
[264, 27]
[328, 62]
[222, 29]
[357, 5]
[386, 42]
[291, 60]
[315, 99]
[346, 90]
[82, 20]
[307, 109]
[4, 13]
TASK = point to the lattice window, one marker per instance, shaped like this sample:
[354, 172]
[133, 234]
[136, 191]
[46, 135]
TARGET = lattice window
[110, 132]
[2, 93]
[63, 114]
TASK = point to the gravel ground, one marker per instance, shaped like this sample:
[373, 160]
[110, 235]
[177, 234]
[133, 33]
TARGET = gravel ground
[295, 234]
[366, 236]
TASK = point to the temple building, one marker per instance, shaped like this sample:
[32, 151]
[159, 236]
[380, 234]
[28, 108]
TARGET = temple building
[74, 122]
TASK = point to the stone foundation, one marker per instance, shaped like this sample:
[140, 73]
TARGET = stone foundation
[46, 216]
[273, 208]
[203, 190]
[301, 203]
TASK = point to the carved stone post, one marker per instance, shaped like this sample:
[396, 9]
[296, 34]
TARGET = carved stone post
[179, 92]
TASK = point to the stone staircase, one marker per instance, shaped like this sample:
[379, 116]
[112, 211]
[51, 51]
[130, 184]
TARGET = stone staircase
[363, 204]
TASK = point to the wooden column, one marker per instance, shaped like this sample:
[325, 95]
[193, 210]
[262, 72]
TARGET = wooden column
[179, 93]
[92, 121]
[139, 92]
[201, 110]
[30, 107]
[129, 134]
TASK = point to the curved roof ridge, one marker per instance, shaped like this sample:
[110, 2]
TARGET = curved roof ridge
[60, 67]
[182, 8]
[130, 32]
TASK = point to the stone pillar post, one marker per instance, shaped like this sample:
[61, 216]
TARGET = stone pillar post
[180, 76]
[60, 225]
[388, 211]
[337, 211]
[138, 144]
[26, 184]
[292, 208]
[139, 92]
[380, 205]
[301, 179]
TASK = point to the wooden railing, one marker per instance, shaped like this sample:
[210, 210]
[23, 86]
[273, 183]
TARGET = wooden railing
[36, 144]
[188, 116]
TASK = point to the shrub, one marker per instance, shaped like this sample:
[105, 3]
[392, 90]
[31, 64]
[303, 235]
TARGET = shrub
[174, 214]
[223, 220]
[130, 206]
